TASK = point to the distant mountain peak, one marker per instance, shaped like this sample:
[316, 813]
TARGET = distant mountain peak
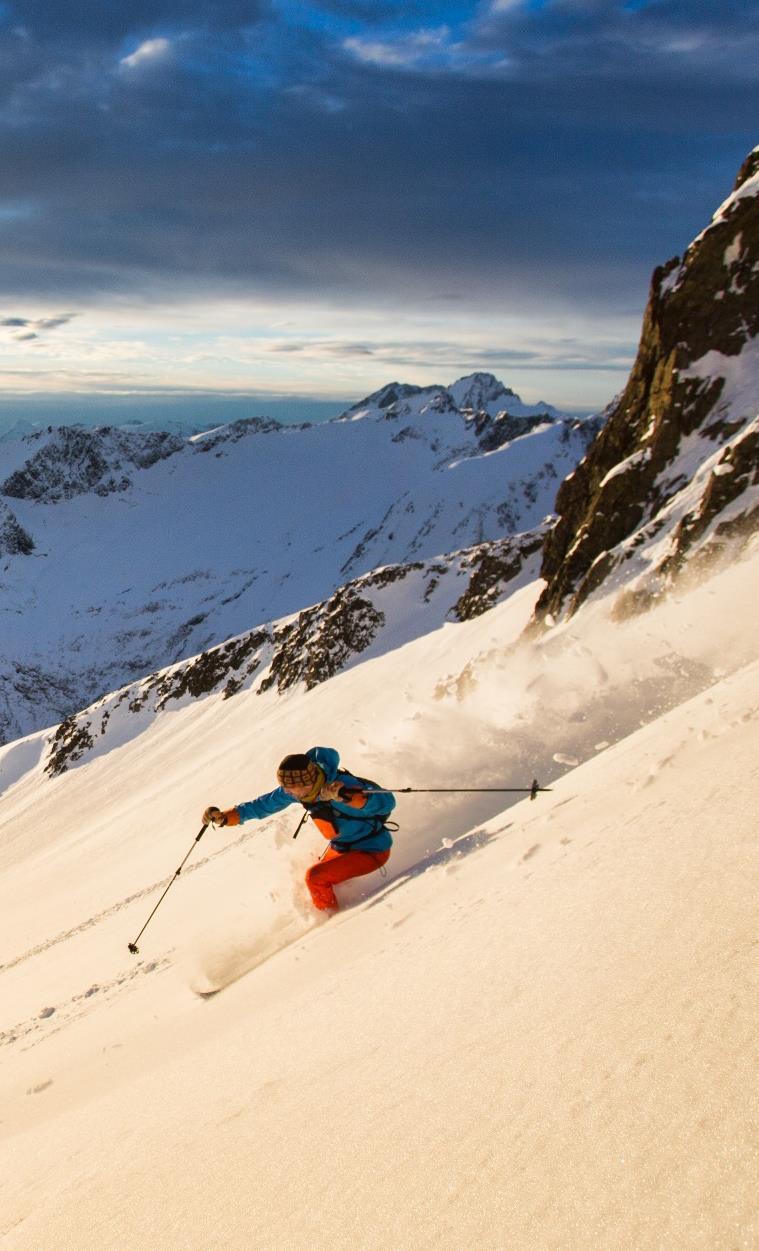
[480, 392]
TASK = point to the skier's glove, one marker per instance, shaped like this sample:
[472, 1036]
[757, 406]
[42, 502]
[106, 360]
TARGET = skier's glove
[214, 815]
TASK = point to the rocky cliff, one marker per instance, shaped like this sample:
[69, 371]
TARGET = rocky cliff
[673, 476]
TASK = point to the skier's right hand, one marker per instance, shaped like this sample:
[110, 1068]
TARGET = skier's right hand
[214, 816]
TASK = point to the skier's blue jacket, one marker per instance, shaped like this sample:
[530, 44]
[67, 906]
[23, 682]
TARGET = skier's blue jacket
[358, 823]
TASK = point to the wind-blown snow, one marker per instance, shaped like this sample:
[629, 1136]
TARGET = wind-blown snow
[536, 1032]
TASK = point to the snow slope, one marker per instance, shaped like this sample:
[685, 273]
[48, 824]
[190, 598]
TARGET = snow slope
[536, 1032]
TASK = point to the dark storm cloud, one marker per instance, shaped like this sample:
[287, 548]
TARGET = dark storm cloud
[526, 153]
[602, 38]
[95, 20]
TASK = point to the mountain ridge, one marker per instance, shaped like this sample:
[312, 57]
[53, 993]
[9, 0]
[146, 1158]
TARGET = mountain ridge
[478, 393]
[364, 618]
[123, 553]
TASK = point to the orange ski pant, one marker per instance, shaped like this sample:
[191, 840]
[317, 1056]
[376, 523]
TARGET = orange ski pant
[340, 866]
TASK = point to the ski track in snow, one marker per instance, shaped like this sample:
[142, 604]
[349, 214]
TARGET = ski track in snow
[145, 893]
[52, 1019]
[55, 1017]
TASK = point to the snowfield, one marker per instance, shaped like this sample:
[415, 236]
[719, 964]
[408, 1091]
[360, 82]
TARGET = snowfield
[537, 1032]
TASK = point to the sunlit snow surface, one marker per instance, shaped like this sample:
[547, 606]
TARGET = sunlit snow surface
[535, 1032]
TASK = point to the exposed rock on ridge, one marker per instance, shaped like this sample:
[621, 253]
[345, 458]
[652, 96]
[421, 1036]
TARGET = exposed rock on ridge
[675, 466]
[76, 460]
[315, 644]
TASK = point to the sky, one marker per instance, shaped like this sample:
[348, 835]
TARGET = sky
[290, 203]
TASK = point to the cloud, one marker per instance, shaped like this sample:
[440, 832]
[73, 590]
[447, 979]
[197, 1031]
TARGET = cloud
[377, 154]
[404, 52]
[427, 51]
[549, 353]
[614, 39]
[148, 53]
[324, 348]
[32, 328]
[52, 323]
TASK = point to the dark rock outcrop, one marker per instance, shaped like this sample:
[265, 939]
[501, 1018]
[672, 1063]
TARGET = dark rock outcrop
[236, 430]
[75, 460]
[491, 568]
[631, 488]
[14, 540]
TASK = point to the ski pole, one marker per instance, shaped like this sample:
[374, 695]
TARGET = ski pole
[532, 791]
[133, 946]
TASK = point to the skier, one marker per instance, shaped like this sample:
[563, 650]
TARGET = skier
[342, 807]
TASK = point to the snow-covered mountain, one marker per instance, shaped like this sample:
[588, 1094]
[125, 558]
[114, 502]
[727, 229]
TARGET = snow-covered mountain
[122, 551]
[476, 395]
